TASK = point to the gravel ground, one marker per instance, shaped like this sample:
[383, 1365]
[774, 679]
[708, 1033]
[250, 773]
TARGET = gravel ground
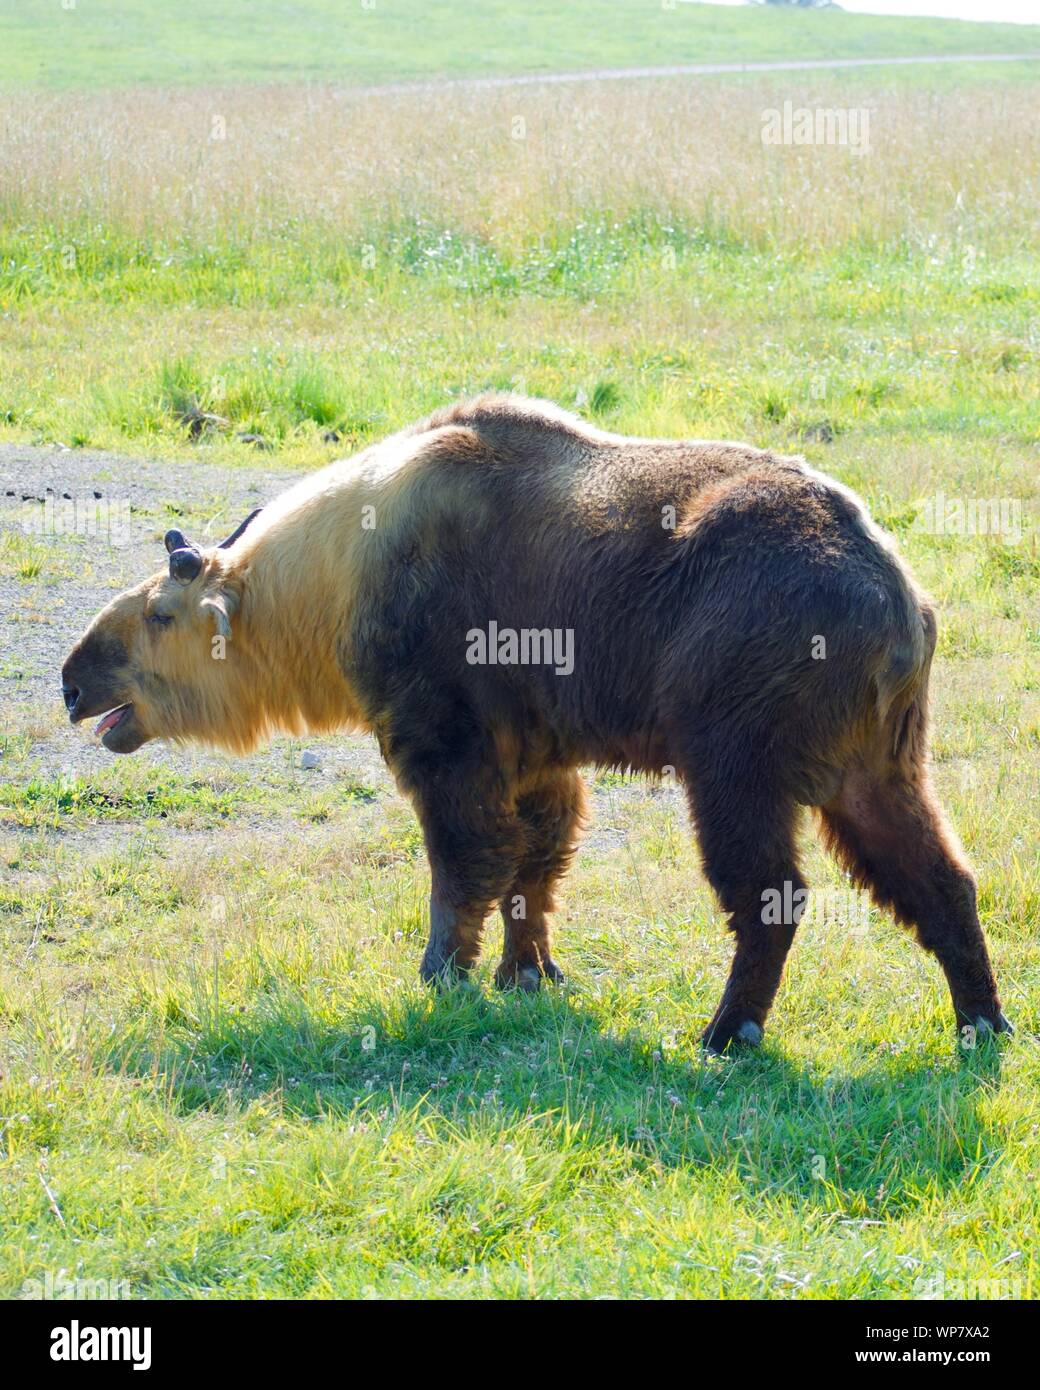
[93, 524]
[103, 518]
[121, 507]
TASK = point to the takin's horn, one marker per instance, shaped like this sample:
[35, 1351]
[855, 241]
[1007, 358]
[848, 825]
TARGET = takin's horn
[185, 564]
[239, 529]
[185, 558]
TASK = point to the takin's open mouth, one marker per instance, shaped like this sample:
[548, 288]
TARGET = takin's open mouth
[112, 719]
[120, 730]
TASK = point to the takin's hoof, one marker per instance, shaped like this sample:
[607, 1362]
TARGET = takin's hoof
[730, 1034]
[442, 972]
[980, 1028]
[529, 977]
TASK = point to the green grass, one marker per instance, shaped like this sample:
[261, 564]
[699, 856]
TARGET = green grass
[142, 798]
[784, 347]
[232, 1083]
[121, 42]
[218, 1075]
[214, 1051]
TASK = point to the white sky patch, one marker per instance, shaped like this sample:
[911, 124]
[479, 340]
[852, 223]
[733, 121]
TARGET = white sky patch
[995, 11]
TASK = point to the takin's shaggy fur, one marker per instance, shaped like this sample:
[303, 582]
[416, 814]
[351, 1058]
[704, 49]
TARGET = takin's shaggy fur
[719, 610]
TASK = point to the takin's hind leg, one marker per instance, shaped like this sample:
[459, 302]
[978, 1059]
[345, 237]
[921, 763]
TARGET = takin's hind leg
[551, 813]
[887, 829]
[746, 828]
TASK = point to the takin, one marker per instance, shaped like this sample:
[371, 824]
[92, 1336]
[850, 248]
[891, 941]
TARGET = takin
[503, 594]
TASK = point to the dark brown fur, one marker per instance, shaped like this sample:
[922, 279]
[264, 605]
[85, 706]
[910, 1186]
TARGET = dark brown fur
[698, 580]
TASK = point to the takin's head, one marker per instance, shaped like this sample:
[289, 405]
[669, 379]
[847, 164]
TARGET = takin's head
[145, 664]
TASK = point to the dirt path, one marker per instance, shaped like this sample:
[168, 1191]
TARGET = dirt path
[695, 70]
[93, 524]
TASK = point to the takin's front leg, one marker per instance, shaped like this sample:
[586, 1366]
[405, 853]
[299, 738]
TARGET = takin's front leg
[474, 845]
[551, 813]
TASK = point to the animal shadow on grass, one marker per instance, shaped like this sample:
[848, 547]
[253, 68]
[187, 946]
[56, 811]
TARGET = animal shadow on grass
[876, 1141]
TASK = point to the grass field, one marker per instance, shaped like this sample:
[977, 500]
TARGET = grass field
[218, 1075]
[100, 43]
[296, 272]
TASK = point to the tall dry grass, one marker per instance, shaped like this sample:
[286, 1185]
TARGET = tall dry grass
[507, 164]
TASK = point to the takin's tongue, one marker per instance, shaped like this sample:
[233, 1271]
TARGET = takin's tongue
[110, 720]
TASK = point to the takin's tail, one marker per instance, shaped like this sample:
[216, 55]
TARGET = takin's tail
[902, 682]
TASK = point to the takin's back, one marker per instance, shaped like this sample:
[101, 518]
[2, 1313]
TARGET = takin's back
[672, 575]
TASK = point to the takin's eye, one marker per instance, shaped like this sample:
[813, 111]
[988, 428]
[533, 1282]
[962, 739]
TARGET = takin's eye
[159, 619]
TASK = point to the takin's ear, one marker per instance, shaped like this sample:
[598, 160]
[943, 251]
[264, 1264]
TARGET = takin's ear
[221, 605]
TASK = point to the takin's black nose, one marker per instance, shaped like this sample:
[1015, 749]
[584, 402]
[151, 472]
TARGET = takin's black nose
[70, 694]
